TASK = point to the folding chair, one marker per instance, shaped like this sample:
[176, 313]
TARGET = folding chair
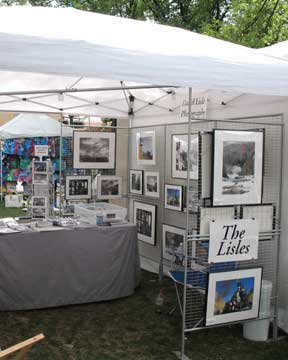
[21, 348]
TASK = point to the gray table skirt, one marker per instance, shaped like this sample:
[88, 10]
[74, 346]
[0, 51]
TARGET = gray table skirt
[46, 269]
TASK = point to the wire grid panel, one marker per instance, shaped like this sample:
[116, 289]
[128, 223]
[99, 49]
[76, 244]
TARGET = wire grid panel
[198, 270]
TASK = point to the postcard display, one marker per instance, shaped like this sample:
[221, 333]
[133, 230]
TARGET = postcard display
[234, 181]
[42, 201]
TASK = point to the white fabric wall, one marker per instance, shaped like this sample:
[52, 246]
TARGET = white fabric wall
[241, 107]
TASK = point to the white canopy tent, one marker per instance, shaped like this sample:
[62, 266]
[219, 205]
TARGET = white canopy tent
[33, 125]
[72, 62]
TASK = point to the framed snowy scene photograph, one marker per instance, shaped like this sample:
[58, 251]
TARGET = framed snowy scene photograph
[238, 167]
[180, 156]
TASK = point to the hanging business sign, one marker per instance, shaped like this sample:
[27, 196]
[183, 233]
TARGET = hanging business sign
[198, 107]
[41, 150]
[233, 240]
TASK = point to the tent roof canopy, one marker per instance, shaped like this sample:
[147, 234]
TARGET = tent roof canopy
[33, 125]
[51, 49]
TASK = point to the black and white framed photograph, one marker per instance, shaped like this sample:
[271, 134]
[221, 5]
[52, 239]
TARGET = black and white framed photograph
[233, 296]
[144, 216]
[93, 150]
[146, 148]
[173, 197]
[78, 187]
[109, 187]
[136, 182]
[180, 156]
[39, 201]
[173, 239]
[39, 166]
[39, 212]
[238, 167]
[151, 184]
[40, 179]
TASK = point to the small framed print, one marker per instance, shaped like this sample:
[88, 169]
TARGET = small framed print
[40, 166]
[39, 212]
[39, 201]
[109, 187]
[78, 187]
[136, 182]
[144, 217]
[146, 148]
[173, 239]
[238, 167]
[40, 179]
[151, 184]
[93, 150]
[173, 197]
[233, 296]
[180, 156]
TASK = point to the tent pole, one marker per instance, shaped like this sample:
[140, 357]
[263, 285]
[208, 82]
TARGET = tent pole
[60, 173]
[1, 165]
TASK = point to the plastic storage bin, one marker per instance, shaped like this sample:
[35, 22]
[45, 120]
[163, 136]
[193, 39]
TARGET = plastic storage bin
[110, 212]
[258, 330]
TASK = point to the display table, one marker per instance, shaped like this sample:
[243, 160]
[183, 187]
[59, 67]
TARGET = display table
[46, 269]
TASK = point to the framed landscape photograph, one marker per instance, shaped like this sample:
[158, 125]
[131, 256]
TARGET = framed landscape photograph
[39, 201]
[40, 179]
[93, 150]
[144, 216]
[109, 187]
[173, 197]
[233, 296]
[136, 182]
[180, 156]
[39, 212]
[238, 167]
[146, 148]
[78, 187]
[39, 166]
[151, 184]
[173, 239]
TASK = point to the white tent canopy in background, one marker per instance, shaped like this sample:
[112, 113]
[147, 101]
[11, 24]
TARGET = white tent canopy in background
[33, 125]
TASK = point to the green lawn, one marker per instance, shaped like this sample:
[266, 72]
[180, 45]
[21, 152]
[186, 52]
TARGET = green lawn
[128, 329]
[10, 212]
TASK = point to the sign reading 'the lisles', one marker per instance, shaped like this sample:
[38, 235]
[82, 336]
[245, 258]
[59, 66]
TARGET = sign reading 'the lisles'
[233, 240]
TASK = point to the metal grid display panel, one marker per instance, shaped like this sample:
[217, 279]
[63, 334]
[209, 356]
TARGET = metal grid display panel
[194, 302]
[66, 163]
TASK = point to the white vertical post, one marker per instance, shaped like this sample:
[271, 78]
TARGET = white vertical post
[1, 169]
[60, 174]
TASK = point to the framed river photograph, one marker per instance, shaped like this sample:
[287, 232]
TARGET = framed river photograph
[136, 182]
[109, 187]
[146, 148]
[173, 240]
[173, 197]
[78, 187]
[144, 216]
[93, 150]
[151, 184]
[180, 156]
[233, 296]
[238, 167]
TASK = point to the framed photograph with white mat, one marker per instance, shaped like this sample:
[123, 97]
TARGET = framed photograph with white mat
[93, 150]
[109, 187]
[233, 296]
[78, 187]
[146, 148]
[173, 197]
[151, 184]
[144, 217]
[136, 182]
[238, 167]
[173, 239]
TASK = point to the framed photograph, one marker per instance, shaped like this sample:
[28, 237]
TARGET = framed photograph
[39, 201]
[109, 187]
[93, 150]
[180, 156]
[39, 166]
[151, 184]
[233, 296]
[40, 179]
[146, 148]
[238, 167]
[144, 216]
[173, 197]
[39, 212]
[78, 187]
[136, 182]
[173, 239]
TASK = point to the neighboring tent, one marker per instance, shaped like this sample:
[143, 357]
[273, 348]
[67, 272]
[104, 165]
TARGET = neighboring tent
[33, 125]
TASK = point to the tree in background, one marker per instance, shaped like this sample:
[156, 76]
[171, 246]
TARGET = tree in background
[255, 23]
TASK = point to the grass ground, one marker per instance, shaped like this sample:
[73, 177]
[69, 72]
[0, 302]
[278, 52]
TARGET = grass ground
[128, 329]
[10, 212]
